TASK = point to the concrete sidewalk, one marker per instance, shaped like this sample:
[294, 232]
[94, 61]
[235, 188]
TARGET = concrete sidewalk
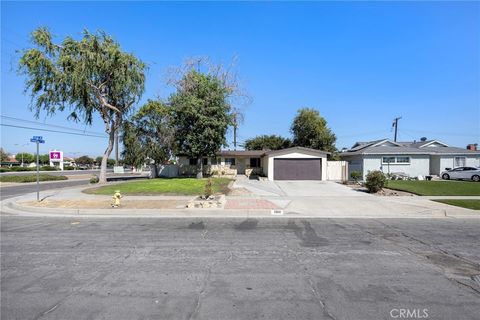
[248, 206]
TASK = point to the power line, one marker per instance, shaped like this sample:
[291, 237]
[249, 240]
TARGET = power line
[56, 131]
[443, 133]
[51, 125]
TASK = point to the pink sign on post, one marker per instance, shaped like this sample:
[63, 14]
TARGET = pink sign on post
[55, 155]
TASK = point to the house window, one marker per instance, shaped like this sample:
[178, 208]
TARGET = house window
[254, 162]
[388, 159]
[192, 161]
[216, 161]
[403, 159]
[230, 161]
[205, 161]
[459, 161]
[396, 160]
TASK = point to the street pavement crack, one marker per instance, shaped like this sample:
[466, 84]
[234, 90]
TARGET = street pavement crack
[308, 277]
[198, 300]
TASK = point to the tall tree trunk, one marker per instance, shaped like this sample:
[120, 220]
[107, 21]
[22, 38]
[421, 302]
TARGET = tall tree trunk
[199, 168]
[108, 151]
[153, 171]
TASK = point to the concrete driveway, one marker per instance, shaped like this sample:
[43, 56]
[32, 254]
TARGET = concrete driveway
[331, 199]
[297, 188]
[316, 189]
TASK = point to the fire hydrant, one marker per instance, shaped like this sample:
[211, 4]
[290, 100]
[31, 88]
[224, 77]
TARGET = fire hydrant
[116, 199]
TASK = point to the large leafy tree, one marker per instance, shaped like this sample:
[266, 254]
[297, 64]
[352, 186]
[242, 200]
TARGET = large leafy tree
[201, 114]
[25, 157]
[267, 142]
[149, 136]
[86, 76]
[110, 162]
[4, 155]
[84, 160]
[43, 159]
[310, 130]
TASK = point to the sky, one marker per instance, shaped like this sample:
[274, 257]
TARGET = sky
[360, 64]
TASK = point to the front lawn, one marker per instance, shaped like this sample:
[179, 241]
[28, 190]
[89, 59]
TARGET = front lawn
[436, 188]
[31, 178]
[469, 204]
[177, 186]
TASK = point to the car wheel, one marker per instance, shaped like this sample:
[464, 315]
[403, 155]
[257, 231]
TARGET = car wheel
[476, 178]
[445, 176]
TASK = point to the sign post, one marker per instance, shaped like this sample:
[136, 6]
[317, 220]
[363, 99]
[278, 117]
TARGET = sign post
[37, 140]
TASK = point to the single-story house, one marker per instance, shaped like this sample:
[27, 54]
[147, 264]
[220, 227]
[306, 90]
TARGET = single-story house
[10, 162]
[295, 163]
[429, 157]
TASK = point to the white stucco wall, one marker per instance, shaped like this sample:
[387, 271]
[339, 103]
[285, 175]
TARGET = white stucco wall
[449, 161]
[295, 155]
[419, 165]
[355, 163]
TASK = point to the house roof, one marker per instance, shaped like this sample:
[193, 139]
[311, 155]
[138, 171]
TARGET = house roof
[300, 149]
[247, 153]
[261, 153]
[386, 146]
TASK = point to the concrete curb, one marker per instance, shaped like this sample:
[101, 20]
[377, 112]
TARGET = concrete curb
[13, 208]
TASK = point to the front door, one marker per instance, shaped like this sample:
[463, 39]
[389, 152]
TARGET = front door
[240, 165]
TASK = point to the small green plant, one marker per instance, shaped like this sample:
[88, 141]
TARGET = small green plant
[356, 175]
[375, 181]
[208, 188]
[94, 179]
[68, 168]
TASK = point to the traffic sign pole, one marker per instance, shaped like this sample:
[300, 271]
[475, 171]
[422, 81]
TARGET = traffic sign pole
[38, 175]
[37, 140]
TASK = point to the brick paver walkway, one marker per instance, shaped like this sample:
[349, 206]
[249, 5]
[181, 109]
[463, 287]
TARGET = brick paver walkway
[249, 204]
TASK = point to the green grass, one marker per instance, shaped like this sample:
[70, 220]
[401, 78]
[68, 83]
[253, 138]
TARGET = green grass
[469, 204]
[31, 178]
[177, 186]
[436, 188]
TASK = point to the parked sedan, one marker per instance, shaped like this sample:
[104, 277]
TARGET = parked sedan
[462, 173]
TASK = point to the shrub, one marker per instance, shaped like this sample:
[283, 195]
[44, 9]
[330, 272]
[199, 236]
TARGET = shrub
[375, 181]
[31, 178]
[68, 168]
[22, 169]
[94, 179]
[356, 175]
[5, 169]
[48, 168]
[208, 188]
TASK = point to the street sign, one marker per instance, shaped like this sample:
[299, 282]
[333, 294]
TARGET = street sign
[37, 140]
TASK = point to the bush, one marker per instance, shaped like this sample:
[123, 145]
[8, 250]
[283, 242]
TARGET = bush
[68, 168]
[5, 169]
[94, 179]
[48, 168]
[22, 169]
[356, 175]
[375, 181]
[31, 178]
[208, 188]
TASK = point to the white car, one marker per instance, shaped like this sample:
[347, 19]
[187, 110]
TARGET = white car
[462, 173]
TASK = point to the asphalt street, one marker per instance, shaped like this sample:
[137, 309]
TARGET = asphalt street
[63, 268]
[21, 189]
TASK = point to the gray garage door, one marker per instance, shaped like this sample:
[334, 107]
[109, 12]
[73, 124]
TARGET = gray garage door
[297, 169]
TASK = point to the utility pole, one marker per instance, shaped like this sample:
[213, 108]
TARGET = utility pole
[395, 124]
